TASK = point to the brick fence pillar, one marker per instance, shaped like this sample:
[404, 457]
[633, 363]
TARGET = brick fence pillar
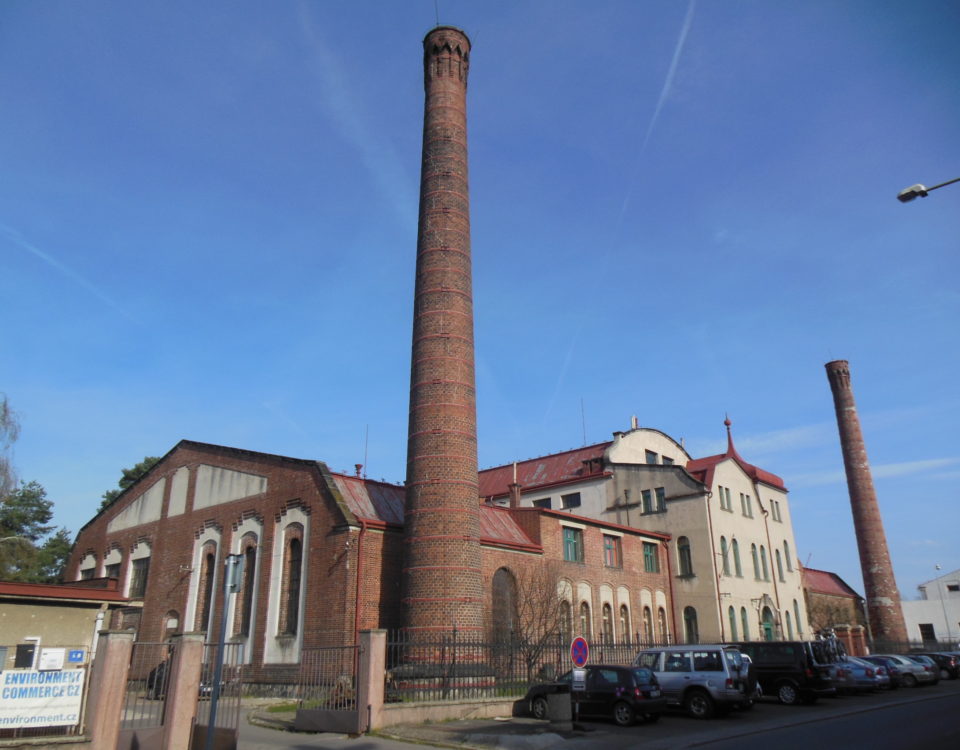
[108, 688]
[183, 690]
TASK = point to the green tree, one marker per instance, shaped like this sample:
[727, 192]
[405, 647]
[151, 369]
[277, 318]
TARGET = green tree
[28, 550]
[128, 477]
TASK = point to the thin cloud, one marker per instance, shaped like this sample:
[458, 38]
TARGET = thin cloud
[20, 241]
[380, 161]
[879, 471]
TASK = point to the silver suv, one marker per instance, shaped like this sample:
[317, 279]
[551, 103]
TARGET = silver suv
[704, 680]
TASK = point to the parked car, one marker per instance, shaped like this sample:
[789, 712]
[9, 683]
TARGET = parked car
[868, 677]
[928, 664]
[842, 678]
[794, 671]
[701, 679]
[891, 667]
[621, 693]
[948, 664]
[912, 674]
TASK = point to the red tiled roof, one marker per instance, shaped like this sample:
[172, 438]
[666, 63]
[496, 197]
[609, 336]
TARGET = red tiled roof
[72, 592]
[557, 468]
[825, 582]
[703, 468]
[382, 502]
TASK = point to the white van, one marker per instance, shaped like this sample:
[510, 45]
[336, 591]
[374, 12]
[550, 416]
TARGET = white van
[702, 679]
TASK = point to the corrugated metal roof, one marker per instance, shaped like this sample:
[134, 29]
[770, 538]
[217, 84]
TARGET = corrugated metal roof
[378, 501]
[538, 472]
[825, 582]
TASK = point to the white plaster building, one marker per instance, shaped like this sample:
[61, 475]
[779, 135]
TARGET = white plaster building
[732, 556]
[935, 617]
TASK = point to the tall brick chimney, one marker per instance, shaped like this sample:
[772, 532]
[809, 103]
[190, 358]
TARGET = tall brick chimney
[443, 586]
[883, 597]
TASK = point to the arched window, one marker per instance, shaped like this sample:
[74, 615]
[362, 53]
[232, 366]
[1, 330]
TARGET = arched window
[684, 556]
[208, 573]
[766, 622]
[796, 616]
[691, 630]
[763, 563]
[248, 546]
[756, 561]
[566, 621]
[745, 623]
[786, 555]
[779, 566]
[725, 555]
[606, 614]
[625, 634]
[732, 615]
[647, 625]
[789, 627]
[736, 559]
[662, 625]
[504, 605]
[585, 629]
[292, 569]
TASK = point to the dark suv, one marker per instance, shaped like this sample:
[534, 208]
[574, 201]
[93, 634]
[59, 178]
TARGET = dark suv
[794, 671]
[621, 693]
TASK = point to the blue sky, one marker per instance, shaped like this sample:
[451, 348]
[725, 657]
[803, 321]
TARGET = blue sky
[680, 211]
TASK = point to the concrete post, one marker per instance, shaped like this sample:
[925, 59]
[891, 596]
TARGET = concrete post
[108, 688]
[370, 678]
[183, 690]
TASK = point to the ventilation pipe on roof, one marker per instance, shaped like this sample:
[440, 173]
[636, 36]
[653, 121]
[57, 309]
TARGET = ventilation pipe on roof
[634, 423]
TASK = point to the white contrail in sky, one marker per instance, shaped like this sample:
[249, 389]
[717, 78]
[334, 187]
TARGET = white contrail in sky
[18, 239]
[668, 83]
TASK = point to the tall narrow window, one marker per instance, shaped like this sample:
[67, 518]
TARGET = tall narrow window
[607, 616]
[796, 616]
[756, 561]
[647, 625]
[763, 563]
[248, 585]
[504, 605]
[572, 544]
[779, 566]
[625, 634]
[651, 558]
[566, 621]
[725, 555]
[789, 627]
[786, 555]
[661, 495]
[585, 627]
[662, 624]
[684, 556]
[139, 571]
[612, 554]
[745, 622]
[207, 575]
[732, 615]
[736, 559]
[646, 501]
[691, 629]
[293, 571]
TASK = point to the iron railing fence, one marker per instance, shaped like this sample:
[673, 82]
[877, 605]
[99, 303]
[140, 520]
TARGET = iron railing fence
[147, 681]
[26, 670]
[231, 685]
[460, 666]
[328, 678]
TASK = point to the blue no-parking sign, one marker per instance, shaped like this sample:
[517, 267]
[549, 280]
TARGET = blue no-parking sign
[579, 651]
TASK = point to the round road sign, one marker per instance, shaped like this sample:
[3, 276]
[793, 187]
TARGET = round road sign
[579, 651]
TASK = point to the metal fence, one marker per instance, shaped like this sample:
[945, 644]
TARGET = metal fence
[17, 718]
[328, 678]
[231, 685]
[145, 700]
[457, 666]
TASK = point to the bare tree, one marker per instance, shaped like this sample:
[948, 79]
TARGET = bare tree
[824, 614]
[9, 432]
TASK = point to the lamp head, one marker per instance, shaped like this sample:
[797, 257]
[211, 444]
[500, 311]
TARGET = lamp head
[908, 194]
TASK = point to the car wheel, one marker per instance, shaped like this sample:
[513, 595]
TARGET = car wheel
[623, 714]
[909, 680]
[699, 705]
[538, 707]
[787, 694]
[651, 718]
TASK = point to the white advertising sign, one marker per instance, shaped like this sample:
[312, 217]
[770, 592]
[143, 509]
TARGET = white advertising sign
[31, 698]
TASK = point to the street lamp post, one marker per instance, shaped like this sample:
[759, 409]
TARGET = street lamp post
[920, 191]
[943, 601]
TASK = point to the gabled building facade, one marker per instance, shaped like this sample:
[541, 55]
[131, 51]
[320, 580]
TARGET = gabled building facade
[321, 554]
[734, 575]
